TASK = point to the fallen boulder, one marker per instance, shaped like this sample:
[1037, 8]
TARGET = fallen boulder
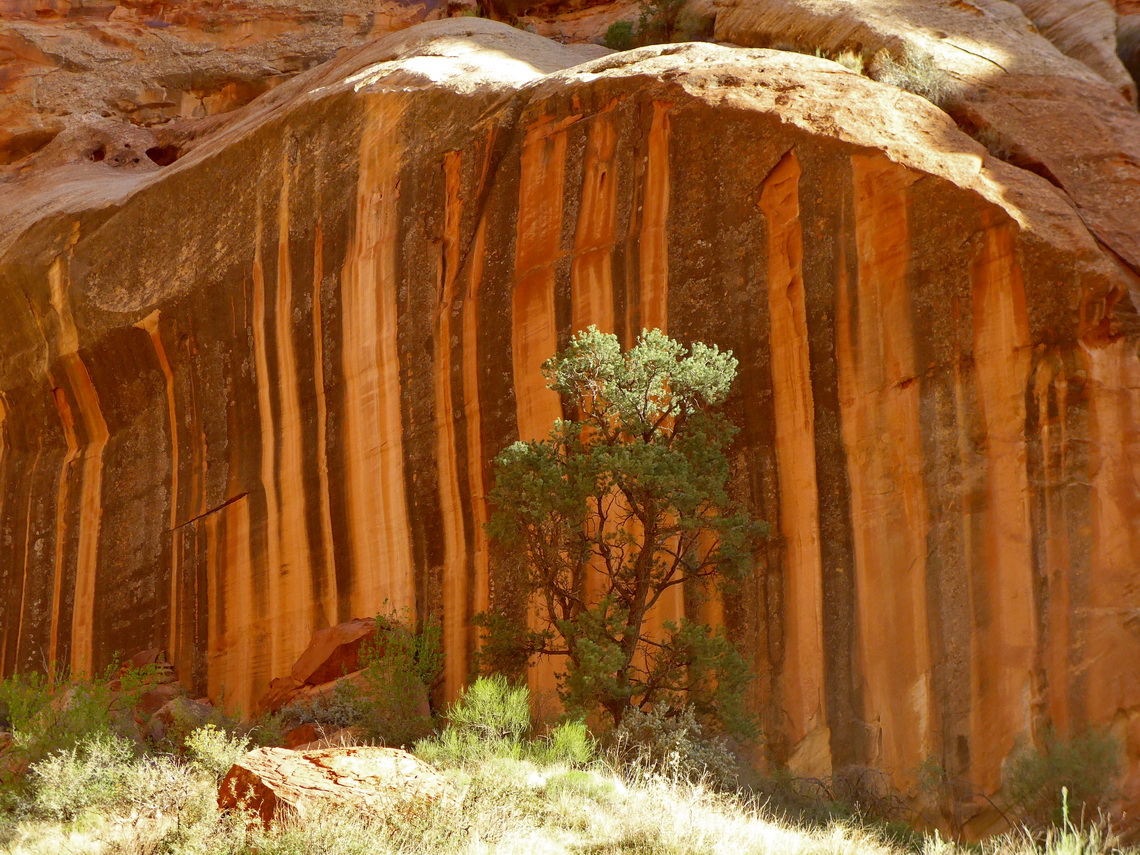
[276, 782]
[333, 651]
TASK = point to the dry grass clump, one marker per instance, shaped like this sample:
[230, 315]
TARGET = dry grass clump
[916, 73]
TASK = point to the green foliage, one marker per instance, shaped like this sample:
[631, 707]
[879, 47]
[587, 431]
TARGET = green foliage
[491, 709]
[101, 797]
[344, 706]
[51, 713]
[400, 666]
[568, 744]
[103, 774]
[73, 780]
[1069, 782]
[672, 743]
[619, 35]
[213, 751]
[621, 504]
[659, 22]
[188, 717]
[489, 719]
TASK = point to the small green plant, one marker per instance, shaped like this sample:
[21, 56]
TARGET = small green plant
[659, 22]
[399, 667]
[1067, 782]
[853, 61]
[619, 35]
[568, 744]
[489, 719]
[492, 709]
[103, 774]
[187, 717]
[213, 751]
[342, 706]
[74, 780]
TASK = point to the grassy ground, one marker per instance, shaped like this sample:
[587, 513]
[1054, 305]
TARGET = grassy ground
[77, 778]
[510, 805]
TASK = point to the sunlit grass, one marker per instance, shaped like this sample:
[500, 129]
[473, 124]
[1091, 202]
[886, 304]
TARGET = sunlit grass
[509, 806]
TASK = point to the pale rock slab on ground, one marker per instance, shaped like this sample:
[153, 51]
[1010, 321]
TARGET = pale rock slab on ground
[277, 782]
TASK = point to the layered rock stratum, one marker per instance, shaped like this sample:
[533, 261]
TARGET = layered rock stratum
[252, 386]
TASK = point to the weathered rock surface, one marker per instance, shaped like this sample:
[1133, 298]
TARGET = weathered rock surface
[1086, 31]
[1054, 115]
[333, 652]
[255, 392]
[276, 782]
[148, 63]
[1128, 44]
[177, 717]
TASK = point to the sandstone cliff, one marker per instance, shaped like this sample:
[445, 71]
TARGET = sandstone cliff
[256, 391]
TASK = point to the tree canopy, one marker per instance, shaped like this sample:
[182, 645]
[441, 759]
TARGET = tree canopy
[619, 505]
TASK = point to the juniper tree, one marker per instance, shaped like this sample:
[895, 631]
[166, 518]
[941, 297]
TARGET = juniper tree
[618, 506]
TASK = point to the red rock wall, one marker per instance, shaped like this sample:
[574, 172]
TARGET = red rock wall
[258, 392]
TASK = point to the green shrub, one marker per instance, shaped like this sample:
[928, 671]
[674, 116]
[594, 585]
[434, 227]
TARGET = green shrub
[400, 667]
[213, 751]
[493, 709]
[102, 774]
[50, 713]
[73, 780]
[659, 21]
[568, 744]
[187, 717]
[344, 706]
[489, 719]
[619, 36]
[1069, 782]
[673, 744]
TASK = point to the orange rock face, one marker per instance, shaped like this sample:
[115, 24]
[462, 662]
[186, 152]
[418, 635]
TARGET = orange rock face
[148, 63]
[257, 391]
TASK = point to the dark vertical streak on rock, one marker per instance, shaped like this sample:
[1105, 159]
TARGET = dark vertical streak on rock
[1078, 494]
[572, 177]
[421, 238]
[497, 403]
[305, 207]
[67, 523]
[729, 278]
[951, 435]
[136, 465]
[826, 199]
[30, 483]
